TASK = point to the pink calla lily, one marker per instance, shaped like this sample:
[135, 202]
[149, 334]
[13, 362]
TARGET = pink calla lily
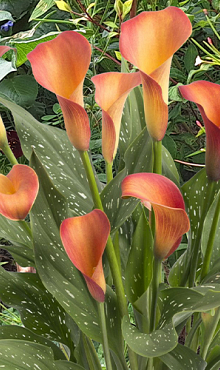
[60, 65]
[18, 191]
[112, 90]
[84, 239]
[166, 199]
[149, 41]
[207, 97]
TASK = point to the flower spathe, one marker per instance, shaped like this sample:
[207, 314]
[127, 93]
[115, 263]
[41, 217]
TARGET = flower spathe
[4, 49]
[207, 97]
[18, 191]
[112, 89]
[149, 41]
[60, 65]
[171, 220]
[84, 239]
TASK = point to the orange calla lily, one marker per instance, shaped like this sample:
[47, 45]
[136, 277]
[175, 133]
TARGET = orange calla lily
[112, 90]
[84, 239]
[149, 41]
[207, 96]
[18, 191]
[166, 199]
[60, 65]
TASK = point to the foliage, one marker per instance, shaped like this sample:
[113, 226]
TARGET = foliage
[55, 323]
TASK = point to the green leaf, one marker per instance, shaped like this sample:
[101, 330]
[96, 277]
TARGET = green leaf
[149, 345]
[174, 94]
[17, 232]
[206, 231]
[138, 158]
[168, 166]
[216, 4]
[5, 68]
[175, 302]
[213, 358]
[190, 57]
[39, 311]
[138, 273]
[24, 355]
[60, 159]
[21, 90]
[194, 194]
[20, 333]
[57, 272]
[26, 46]
[42, 7]
[17, 8]
[183, 358]
[126, 8]
[5, 16]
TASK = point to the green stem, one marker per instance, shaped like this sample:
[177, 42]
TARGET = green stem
[157, 145]
[44, 20]
[155, 288]
[101, 309]
[210, 244]
[91, 178]
[109, 175]
[117, 248]
[209, 333]
[110, 251]
[196, 246]
[9, 154]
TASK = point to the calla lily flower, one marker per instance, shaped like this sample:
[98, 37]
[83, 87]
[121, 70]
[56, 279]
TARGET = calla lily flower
[171, 220]
[60, 65]
[112, 90]
[18, 191]
[84, 239]
[207, 97]
[149, 41]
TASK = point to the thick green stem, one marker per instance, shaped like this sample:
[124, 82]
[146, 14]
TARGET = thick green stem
[9, 154]
[209, 247]
[101, 309]
[155, 289]
[109, 175]
[209, 334]
[157, 145]
[91, 178]
[110, 251]
[196, 246]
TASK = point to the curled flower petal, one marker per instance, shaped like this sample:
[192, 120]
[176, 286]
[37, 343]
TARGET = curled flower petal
[84, 239]
[149, 41]
[18, 191]
[166, 199]
[112, 90]
[4, 49]
[60, 65]
[207, 97]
